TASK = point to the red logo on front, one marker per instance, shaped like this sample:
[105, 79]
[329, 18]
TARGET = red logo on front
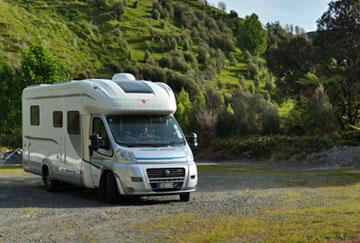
[144, 101]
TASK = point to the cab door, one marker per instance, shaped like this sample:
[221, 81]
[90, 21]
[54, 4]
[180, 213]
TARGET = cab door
[105, 152]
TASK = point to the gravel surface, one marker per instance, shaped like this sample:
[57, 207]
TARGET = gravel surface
[338, 156]
[29, 214]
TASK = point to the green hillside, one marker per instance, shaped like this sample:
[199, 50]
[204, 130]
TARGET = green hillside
[90, 38]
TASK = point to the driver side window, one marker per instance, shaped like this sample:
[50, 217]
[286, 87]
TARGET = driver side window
[99, 130]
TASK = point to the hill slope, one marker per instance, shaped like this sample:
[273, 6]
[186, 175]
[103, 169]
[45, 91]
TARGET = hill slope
[97, 38]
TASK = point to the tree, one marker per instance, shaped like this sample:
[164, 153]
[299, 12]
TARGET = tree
[252, 36]
[184, 109]
[337, 41]
[290, 61]
[38, 66]
[8, 95]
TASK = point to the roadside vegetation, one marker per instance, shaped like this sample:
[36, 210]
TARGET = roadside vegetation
[234, 77]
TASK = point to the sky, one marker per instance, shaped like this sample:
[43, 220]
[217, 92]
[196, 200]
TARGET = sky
[303, 13]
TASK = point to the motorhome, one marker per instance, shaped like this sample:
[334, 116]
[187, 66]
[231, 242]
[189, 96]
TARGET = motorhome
[118, 136]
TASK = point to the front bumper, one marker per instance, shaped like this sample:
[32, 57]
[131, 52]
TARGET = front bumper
[133, 179]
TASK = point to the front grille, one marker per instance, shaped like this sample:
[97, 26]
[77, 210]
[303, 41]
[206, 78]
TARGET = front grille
[173, 177]
[161, 173]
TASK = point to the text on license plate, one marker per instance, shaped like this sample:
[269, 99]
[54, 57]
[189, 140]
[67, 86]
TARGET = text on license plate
[165, 185]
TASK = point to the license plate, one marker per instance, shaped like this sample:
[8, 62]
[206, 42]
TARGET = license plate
[166, 185]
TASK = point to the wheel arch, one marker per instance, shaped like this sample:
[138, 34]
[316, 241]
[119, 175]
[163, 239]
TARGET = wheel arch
[106, 170]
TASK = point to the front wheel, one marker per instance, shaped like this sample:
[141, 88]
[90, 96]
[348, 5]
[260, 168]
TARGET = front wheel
[112, 193]
[185, 197]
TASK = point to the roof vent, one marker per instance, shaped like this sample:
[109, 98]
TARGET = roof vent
[123, 77]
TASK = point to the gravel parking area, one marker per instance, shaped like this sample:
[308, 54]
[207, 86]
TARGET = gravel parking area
[29, 214]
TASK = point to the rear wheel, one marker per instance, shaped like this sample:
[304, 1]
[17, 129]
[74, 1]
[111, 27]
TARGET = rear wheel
[111, 191]
[50, 184]
[185, 196]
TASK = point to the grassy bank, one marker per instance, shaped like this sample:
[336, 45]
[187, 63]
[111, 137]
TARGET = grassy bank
[9, 170]
[280, 147]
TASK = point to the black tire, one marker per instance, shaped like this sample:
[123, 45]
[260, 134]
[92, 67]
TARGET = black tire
[112, 193]
[185, 197]
[50, 184]
[102, 188]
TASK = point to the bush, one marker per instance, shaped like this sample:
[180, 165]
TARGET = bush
[203, 54]
[148, 58]
[155, 14]
[270, 121]
[118, 9]
[206, 123]
[184, 110]
[166, 61]
[215, 100]
[269, 146]
[227, 123]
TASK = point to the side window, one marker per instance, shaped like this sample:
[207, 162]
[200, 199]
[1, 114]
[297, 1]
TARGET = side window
[34, 115]
[98, 128]
[73, 122]
[57, 119]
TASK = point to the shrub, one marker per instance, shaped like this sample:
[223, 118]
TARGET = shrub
[118, 9]
[135, 4]
[206, 123]
[227, 123]
[148, 58]
[155, 14]
[270, 121]
[215, 100]
[222, 41]
[184, 110]
[203, 54]
[166, 61]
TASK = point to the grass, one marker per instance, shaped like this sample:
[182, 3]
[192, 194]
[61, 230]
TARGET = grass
[325, 208]
[4, 149]
[11, 171]
[87, 38]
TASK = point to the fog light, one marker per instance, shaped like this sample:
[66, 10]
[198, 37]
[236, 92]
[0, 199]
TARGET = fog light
[193, 176]
[136, 179]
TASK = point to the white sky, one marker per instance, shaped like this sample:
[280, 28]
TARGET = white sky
[303, 13]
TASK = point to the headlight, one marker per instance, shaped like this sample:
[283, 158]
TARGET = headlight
[128, 155]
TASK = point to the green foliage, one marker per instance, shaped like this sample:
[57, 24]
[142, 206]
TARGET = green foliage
[290, 61]
[279, 146]
[337, 43]
[252, 36]
[7, 95]
[184, 110]
[148, 58]
[38, 66]
[118, 8]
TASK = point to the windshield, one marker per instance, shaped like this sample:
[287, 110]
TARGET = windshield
[143, 131]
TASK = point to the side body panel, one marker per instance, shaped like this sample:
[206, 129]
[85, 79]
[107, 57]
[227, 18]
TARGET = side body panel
[54, 146]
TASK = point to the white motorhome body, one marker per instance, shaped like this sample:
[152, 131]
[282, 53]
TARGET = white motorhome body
[135, 140]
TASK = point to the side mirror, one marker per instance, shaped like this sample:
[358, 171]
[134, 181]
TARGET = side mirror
[192, 139]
